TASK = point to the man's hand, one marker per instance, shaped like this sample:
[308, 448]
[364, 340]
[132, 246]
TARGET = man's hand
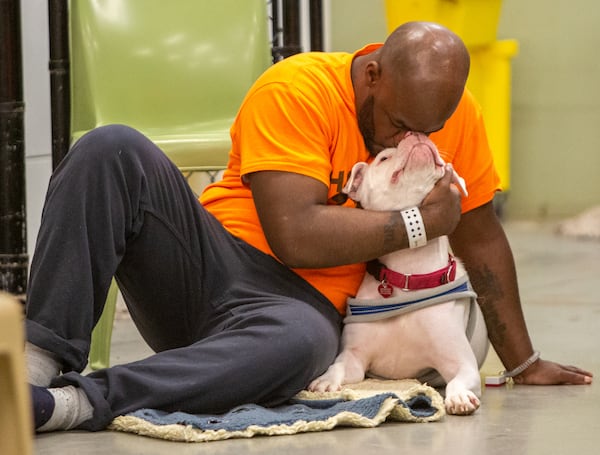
[441, 207]
[544, 372]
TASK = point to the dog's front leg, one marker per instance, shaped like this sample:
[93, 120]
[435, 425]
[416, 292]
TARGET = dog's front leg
[452, 356]
[462, 393]
[348, 368]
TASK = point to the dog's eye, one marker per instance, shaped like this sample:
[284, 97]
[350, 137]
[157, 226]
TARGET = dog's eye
[383, 158]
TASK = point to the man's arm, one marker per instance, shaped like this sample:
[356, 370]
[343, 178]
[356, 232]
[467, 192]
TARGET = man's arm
[479, 240]
[304, 232]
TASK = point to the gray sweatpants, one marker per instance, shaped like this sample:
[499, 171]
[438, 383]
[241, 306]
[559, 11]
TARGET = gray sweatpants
[229, 324]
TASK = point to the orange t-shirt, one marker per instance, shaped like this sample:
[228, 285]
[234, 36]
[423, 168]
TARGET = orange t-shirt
[300, 117]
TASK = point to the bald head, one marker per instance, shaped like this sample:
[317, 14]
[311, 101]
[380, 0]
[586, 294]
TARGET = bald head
[427, 59]
[426, 50]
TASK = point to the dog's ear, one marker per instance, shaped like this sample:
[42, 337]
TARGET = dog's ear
[456, 179]
[460, 182]
[355, 180]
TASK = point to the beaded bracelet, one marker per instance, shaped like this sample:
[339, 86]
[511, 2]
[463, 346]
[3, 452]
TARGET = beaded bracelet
[530, 361]
[415, 228]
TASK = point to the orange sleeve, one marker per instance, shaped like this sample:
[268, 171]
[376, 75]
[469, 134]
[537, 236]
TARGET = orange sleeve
[280, 129]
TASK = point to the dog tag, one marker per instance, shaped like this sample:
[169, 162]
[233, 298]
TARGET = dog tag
[385, 290]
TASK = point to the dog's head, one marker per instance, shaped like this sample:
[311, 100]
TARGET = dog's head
[399, 177]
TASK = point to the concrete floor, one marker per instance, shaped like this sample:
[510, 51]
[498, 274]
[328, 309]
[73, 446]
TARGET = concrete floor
[558, 278]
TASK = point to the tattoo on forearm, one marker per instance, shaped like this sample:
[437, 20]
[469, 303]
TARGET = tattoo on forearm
[487, 285]
[389, 230]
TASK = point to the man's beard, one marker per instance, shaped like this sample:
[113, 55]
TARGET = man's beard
[366, 124]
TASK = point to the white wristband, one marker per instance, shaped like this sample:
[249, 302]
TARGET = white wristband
[530, 361]
[415, 228]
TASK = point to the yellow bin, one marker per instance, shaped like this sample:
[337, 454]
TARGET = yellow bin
[475, 21]
[490, 82]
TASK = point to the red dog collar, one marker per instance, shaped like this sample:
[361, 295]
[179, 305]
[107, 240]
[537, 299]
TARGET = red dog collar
[410, 282]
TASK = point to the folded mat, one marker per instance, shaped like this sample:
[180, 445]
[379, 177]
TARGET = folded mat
[366, 404]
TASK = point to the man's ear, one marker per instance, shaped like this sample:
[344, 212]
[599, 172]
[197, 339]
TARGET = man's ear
[355, 180]
[372, 72]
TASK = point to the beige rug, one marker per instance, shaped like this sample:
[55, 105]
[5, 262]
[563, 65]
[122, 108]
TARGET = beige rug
[366, 404]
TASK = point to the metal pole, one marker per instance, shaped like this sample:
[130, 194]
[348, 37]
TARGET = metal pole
[13, 219]
[60, 100]
[276, 31]
[285, 16]
[316, 25]
[291, 27]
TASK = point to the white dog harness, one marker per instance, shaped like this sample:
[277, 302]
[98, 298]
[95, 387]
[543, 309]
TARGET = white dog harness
[366, 310]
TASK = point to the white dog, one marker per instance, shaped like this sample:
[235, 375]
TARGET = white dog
[415, 315]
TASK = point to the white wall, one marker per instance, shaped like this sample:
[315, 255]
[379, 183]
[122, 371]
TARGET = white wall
[34, 15]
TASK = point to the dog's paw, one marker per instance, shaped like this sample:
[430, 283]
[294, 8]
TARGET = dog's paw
[462, 403]
[324, 383]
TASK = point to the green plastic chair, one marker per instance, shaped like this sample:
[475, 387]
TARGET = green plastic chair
[177, 71]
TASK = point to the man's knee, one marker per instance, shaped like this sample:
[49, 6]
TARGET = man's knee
[304, 350]
[109, 136]
[312, 343]
[104, 141]
[110, 147]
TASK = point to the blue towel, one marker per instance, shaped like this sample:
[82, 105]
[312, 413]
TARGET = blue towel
[240, 418]
[306, 412]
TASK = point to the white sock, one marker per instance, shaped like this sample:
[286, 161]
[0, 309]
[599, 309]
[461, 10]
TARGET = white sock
[71, 408]
[42, 365]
